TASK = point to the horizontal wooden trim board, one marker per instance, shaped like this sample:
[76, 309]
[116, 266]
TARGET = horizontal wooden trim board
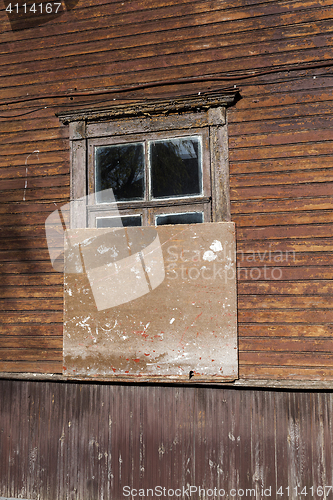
[301, 331]
[36, 343]
[302, 288]
[35, 329]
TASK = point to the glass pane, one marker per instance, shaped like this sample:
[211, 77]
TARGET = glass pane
[120, 168]
[186, 218]
[131, 220]
[176, 167]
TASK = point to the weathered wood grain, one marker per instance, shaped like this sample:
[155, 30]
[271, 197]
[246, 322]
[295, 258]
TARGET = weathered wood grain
[288, 205]
[32, 304]
[280, 149]
[33, 330]
[319, 331]
[308, 345]
[285, 218]
[36, 343]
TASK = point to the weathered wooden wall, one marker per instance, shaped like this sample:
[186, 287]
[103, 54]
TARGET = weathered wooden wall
[75, 441]
[280, 140]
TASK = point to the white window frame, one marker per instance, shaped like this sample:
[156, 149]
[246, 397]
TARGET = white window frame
[187, 116]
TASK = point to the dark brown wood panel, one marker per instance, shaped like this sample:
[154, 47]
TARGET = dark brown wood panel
[280, 153]
[285, 218]
[41, 304]
[36, 343]
[12, 292]
[288, 205]
[31, 330]
[89, 440]
[309, 190]
[320, 332]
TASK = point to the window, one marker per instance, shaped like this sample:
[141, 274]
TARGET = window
[155, 302]
[167, 162]
[154, 181]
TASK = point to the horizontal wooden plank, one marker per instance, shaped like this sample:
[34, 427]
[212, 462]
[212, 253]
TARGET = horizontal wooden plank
[283, 151]
[32, 238]
[35, 279]
[285, 316]
[284, 178]
[282, 330]
[34, 330]
[249, 372]
[38, 135]
[32, 304]
[30, 354]
[35, 317]
[281, 232]
[246, 120]
[34, 171]
[28, 148]
[84, 82]
[15, 292]
[36, 343]
[44, 134]
[164, 67]
[34, 366]
[287, 245]
[284, 302]
[99, 17]
[196, 51]
[283, 259]
[133, 13]
[284, 218]
[270, 138]
[29, 183]
[43, 120]
[121, 38]
[286, 344]
[42, 207]
[281, 192]
[9, 220]
[267, 90]
[48, 193]
[12, 159]
[25, 267]
[286, 359]
[310, 287]
[285, 205]
[280, 165]
[24, 255]
[273, 273]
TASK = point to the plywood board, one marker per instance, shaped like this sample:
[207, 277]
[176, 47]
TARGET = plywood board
[151, 302]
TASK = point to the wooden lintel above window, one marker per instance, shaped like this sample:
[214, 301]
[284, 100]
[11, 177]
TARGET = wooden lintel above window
[194, 103]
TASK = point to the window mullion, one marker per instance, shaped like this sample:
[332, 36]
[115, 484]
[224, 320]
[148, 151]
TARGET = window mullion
[149, 215]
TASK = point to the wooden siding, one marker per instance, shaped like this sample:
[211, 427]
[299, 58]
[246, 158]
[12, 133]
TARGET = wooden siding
[280, 151]
[84, 441]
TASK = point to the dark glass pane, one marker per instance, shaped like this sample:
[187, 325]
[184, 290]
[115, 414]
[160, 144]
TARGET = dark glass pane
[176, 167]
[131, 220]
[120, 168]
[186, 218]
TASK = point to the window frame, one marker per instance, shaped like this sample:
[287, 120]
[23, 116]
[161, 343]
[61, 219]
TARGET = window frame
[149, 208]
[184, 116]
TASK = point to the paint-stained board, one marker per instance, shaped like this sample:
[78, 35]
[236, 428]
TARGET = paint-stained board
[151, 302]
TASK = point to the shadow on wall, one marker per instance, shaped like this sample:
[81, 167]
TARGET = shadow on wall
[26, 14]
